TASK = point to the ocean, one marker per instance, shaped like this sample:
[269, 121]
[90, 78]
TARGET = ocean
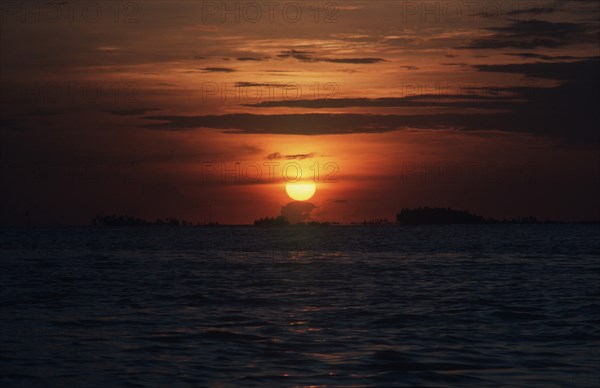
[348, 306]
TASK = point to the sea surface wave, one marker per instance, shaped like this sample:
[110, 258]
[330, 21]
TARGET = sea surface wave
[513, 305]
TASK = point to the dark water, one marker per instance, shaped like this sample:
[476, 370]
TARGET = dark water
[323, 306]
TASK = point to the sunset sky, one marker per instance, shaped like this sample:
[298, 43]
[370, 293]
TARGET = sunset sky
[196, 109]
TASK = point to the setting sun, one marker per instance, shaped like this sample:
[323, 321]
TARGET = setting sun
[300, 191]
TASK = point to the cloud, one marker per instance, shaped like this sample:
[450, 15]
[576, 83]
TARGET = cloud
[297, 212]
[532, 11]
[307, 56]
[304, 56]
[461, 64]
[133, 112]
[286, 124]
[218, 70]
[277, 155]
[543, 57]
[257, 84]
[567, 111]
[252, 59]
[301, 156]
[471, 98]
[352, 60]
[586, 70]
[274, 155]
[529, 34]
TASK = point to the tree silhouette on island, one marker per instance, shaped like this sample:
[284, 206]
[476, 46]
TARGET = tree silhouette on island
[447, 216]
[134, 221]
[272, 221]
[283, 221]
[300, 216]
[417, 216]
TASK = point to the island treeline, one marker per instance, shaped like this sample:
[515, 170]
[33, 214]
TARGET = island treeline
[283, 221]
[416, 216]
[124, 220]
[272, 221]
[447, 216]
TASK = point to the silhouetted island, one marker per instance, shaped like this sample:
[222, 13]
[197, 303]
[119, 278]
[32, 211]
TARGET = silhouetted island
[315, 223]
[447, 216]
[374, 221]
[272, 221]
[417, 216]
[134, 221]
[283, 221]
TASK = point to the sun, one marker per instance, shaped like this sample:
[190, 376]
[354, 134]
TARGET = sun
[300, 191]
